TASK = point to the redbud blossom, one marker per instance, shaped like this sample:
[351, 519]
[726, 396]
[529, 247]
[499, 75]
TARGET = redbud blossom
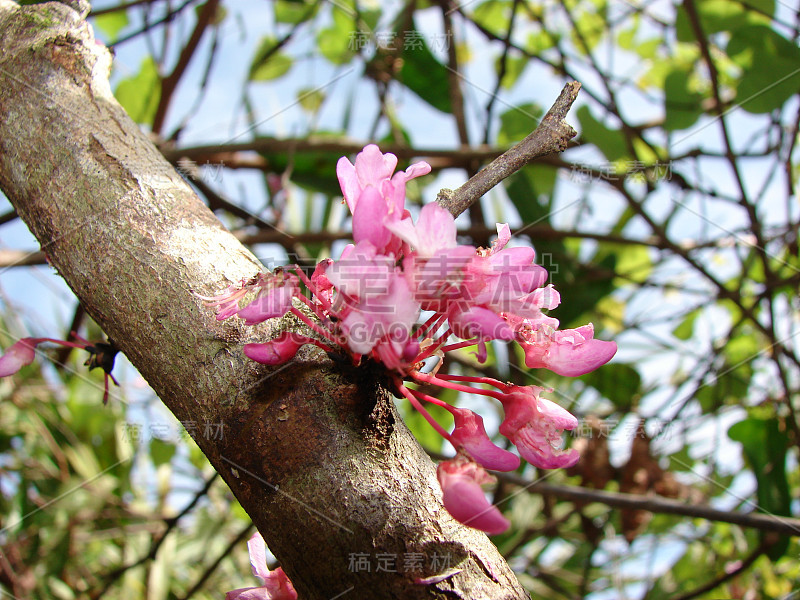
[464, 499]
[570, 352]
[535, 425]
[276, 351]
[470, 435]
[275, 585]
[101, 354]
[17, 356]
[368, 306]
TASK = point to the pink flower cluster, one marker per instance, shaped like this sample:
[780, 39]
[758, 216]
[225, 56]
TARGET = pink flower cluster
[369, 305]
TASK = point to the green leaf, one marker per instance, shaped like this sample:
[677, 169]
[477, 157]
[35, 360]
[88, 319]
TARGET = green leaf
[588, 284]
[539, 41]
[112, 23]
[340, 42]
[140, 94]
[314, 171]
[518, 122]
[611, 142]
[771, 68]
[269, 62]
[515, 67]
[424, 75]
[611, 315]
[618, 382]
[592, 27]
[294, 11]
[633, 263]
[60, 589]
[742, 349]
[161, 452]
[765, 444]
[310, 99]
[723, 15]
[685, 328]
[682, 105]
[493, 15]
[531, 190]
[728, 388]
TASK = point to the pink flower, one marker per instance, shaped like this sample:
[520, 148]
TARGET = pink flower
[436, 281]
[274, 297]
[269, 303]
[375, 169]
[275, 585]
[526, 311]
[360, 274]
[478, 322]
[535, 426]
[375, 197]
[375, 316]
[369, 216]
[498, 280]
[101, 354]
[374, 302]
[570, 352]
[367, 307]
[18, 355]
[463, 497]
[435, 230]
[371, 168]
[277, 351]
[470, 435]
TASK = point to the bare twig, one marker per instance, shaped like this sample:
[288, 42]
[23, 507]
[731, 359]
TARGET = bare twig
[655, 504]
[552, 135]
[170, 523]
[727, 576]
[170, 83]
[198, 585]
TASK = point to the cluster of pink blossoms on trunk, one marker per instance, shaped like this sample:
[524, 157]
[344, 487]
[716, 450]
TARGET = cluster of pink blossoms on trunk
[403, 295]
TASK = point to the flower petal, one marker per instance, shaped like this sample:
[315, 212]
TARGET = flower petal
[535, 425]
[18, 355]
[268, 305]
[464, 499]
[258, 556]
[277, 351]
[479, 322]
[470, 434]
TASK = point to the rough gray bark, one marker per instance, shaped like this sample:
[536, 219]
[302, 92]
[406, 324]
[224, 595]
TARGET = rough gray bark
[315, 452]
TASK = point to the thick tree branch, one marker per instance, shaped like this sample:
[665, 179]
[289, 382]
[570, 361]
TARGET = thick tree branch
[315, 452]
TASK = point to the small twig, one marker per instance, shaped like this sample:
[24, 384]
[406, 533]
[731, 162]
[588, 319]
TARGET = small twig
[21, 258]
[125, 6]
[552, 135]
[8, 217]
[743, 566]
[170, 83]
[148, 26]
[170, 523]
[213, 566]
[656, 504]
